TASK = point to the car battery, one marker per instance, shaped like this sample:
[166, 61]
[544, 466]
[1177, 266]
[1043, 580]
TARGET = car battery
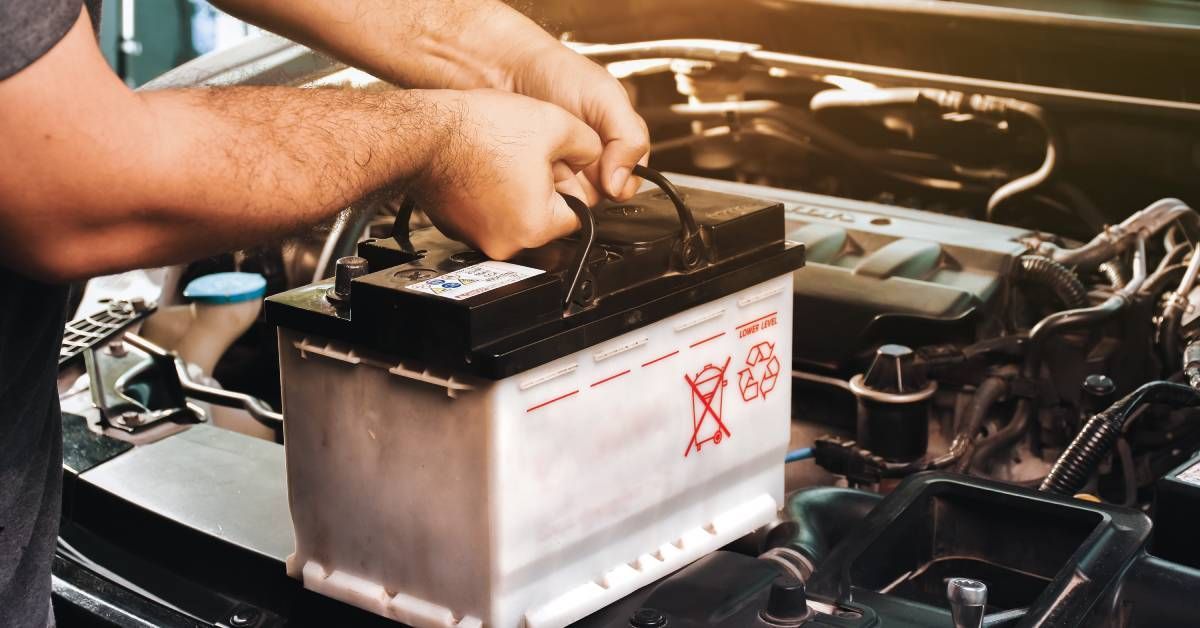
[480, 443]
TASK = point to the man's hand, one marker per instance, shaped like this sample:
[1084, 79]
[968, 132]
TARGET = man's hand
[469, 44]
[494, 182]
[555, 73]
[96, 179]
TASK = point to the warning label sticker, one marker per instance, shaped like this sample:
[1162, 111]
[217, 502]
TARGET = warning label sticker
[474, 280]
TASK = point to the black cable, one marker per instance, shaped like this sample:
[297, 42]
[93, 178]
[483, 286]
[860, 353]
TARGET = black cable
[1021, 185]
[1098, 436]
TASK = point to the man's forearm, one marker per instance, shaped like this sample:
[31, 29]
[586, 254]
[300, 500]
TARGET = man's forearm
[283, 158]
[456, 44]
[464, 44]
[97, 178]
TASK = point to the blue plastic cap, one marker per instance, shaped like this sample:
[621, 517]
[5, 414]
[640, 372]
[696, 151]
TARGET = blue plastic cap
[226, 288]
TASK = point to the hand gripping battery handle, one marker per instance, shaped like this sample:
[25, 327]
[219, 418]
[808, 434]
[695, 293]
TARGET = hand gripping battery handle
[692, 252]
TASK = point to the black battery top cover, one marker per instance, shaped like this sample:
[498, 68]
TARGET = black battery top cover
[429, 298]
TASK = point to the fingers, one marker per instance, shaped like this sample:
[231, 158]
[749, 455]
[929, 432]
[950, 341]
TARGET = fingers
[578, 187]
[634, 183]
[578, 145]
[563, 221]
[626, 142]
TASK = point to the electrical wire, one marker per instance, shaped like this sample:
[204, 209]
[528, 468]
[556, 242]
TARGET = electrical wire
[797, 455]
[1101, 433]
[1038, 177]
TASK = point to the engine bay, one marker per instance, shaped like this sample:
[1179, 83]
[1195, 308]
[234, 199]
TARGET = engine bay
[994, 358]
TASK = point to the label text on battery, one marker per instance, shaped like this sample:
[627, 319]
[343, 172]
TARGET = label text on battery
[757, 325]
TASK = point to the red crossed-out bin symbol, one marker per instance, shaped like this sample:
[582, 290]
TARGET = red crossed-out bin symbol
[761, 372]
[708, 394]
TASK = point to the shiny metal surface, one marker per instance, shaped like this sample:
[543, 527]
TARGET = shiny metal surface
[222, 483]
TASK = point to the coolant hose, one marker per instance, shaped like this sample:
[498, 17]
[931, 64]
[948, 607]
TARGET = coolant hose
[963, 445]
[1065, 319]
[1059, 278]
[1080, 459]
[1114, 240]
[825, 515]
[991, 445]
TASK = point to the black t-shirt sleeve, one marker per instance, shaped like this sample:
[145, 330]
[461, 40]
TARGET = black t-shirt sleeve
[29, 28]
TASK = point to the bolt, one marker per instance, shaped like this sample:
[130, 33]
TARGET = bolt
[116, 348]
[414, 274]
[691, 256]
[244, 618]
[647, 618]
[468, 257]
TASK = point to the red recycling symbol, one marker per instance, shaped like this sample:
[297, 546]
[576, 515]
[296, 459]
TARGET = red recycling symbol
[708, 394]
[761, 372]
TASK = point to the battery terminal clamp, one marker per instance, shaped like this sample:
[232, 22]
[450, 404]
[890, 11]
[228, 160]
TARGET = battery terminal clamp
[428, 298]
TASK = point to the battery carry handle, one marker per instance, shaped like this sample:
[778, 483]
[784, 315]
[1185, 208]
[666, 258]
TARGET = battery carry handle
[580, 289]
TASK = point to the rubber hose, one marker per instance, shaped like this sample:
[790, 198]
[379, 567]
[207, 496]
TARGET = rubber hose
[824, 516]
[991, 445]
[988, 393]
[1053, 275]
[1168, 335]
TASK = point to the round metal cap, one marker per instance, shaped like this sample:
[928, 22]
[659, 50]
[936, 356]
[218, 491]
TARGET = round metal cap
[1099, 385]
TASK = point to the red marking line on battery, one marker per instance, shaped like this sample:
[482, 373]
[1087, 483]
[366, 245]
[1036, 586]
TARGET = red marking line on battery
[546, 403]
[760, 318]
[700, 342]
[609, 378]
[660, 358]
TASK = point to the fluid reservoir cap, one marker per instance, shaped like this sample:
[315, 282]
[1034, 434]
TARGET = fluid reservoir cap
[787, 601]
[1098, 392]
[894, 370]
[1099, 385]
[226, 288]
